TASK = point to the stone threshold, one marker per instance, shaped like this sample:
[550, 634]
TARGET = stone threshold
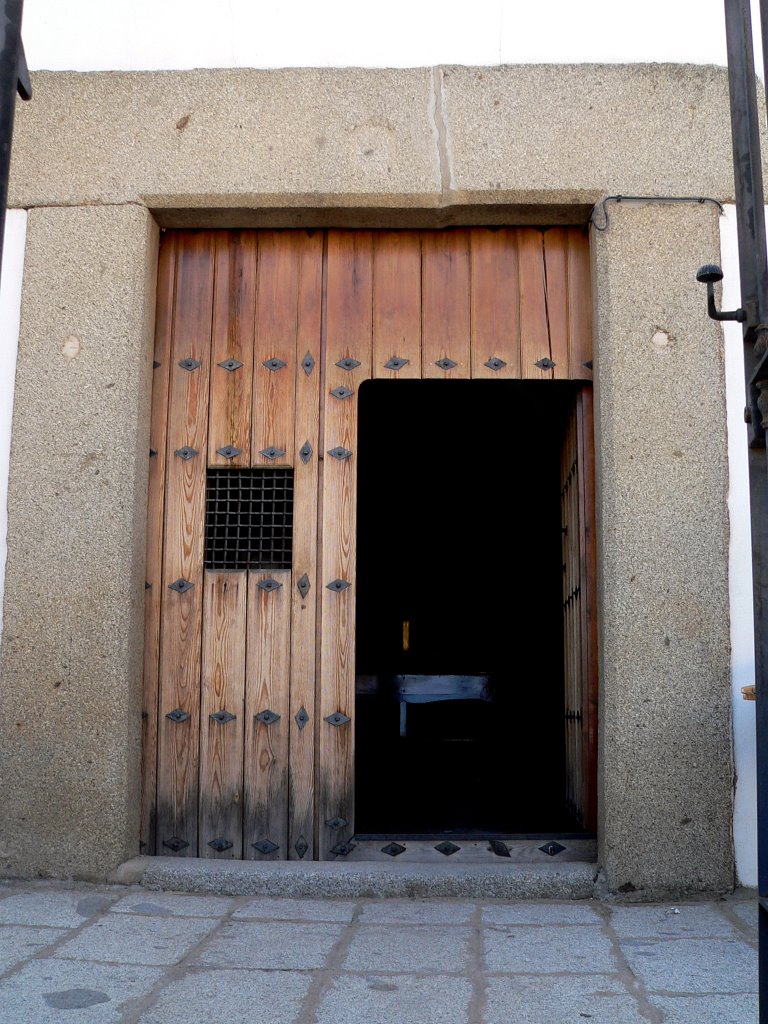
[574, 880]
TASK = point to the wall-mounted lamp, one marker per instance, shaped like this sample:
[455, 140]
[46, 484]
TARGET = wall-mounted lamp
[709, 275]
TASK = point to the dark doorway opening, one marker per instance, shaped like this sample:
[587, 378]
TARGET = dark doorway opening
[459, 635]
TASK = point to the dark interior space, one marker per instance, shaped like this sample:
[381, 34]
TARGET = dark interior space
[459, 716]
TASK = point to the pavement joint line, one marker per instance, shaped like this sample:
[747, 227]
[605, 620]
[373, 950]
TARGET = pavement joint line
[171, 972]
[626, 975]
[476, 971]
[46, 952]
[746, 932]
[324, 976]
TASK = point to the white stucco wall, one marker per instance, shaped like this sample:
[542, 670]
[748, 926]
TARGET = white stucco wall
[87, 35]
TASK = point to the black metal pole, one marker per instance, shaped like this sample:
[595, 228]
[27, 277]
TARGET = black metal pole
[753, 267]
[12, 67]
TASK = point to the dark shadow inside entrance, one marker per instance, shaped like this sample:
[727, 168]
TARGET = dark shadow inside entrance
[459, 708]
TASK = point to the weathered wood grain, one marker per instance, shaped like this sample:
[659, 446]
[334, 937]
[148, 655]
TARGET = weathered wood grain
[534, 336]
[397, 304]
[233, 326]
[166, 282]
[274, 361]
[445, 303]
[348, 330]
[223, 690]
[181, 631]
[301, 775]
[495, 303]
[579, 305]
[266, 690]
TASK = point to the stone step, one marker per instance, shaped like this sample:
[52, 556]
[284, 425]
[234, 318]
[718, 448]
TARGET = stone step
[569, 880]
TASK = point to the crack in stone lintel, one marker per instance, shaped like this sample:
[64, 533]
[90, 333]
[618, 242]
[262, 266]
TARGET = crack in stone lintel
[440, 131]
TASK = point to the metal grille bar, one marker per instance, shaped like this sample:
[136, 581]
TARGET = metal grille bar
[249, 518]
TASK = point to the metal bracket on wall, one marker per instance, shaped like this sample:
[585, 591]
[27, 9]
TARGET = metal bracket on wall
[273, 364]
[230, 364]
[305, 452]
[186, 453]
[338, 585]
[545, 364]
[220, 845]
[272, 453]
[393, 849]
[551, 849]
[301, 717]
[445, 364]
[447, 848]
[175, 844]
[177, 715]
[396, 363]
[343, 849]
[229, 451]
[268, 717]
[265, 846]
[222, 717]
[342, 392]
[337, 718]
[308, 363]
[499, 848]
[303, 586]
[495, 363]
[189, 364]
[180, 586]
[301, 846]
[269, 585]
[339, 453]
[348, 364]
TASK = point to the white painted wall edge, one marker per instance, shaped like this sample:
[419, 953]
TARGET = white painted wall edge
[10, 319]
[740, 568]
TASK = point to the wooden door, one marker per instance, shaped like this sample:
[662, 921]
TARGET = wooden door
[579, 627]
[262, 341]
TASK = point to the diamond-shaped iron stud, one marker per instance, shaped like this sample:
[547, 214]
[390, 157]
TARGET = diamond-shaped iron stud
[305, 452]
[393, 849]
[499, 848]
[265, 846]
[189, 364]
[445, 364]
[545, 364]
[336, 823]
[229, 451]
[301, 846]
[339, 453]
[186, 453]
[348, 364]
[396, 363]
[268, 716]
[220, 845]
[303, 585]
[222, 717]
[338, 585]
[273, 364]
[175, 844]
[269, 585]
[301, 717]
[177, 715]
[447, 848]
[337, 718]
[231, 365]
[272, 453]
[308, 363]
[341, 392]
[180, 586]
[343, 849]
[494, 363]
[552, 848]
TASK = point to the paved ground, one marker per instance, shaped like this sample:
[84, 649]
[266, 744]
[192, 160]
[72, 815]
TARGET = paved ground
[123, 954]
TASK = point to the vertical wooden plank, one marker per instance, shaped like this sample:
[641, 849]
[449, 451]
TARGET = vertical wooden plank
[266, 691]
[223, 691]
[534, 336]
[588, 589]
[348, 336]
[445, 303]
[301, 774]
[275, 351]
[555, 243]
[233, 312]
[495, 304]
[166, 279]
[579, 306]
[397, 304]
[181, 612]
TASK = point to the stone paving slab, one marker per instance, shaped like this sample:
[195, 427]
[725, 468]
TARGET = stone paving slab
[123, 955]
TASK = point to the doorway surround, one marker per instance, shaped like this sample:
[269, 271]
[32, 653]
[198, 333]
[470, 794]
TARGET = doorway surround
[102, 161]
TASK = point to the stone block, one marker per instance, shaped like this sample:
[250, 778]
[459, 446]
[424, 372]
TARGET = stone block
[401, 948]
[129, 939]
[273, 945]
[577, 949]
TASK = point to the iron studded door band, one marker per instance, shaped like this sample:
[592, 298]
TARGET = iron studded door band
[263, 339]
